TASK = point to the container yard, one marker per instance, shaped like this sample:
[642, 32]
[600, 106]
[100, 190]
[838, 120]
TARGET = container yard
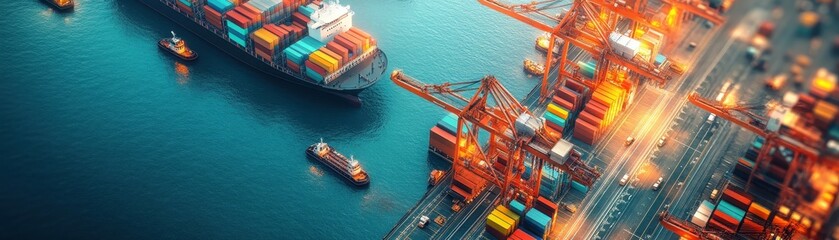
[628, 119]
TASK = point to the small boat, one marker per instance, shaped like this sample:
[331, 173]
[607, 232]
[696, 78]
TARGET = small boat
[62, 5]
[349, 168]
[533, 68]
[177, 46]
[435, 177]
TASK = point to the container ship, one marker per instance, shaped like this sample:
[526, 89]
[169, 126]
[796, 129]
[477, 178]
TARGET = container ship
[310, 43]
[349, 168]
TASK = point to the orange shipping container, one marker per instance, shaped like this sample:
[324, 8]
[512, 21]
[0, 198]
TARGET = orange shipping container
[365, 42]
[324, 61]
[337, 48]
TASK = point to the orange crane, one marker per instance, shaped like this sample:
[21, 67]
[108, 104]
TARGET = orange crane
[602, 17]
[492, 109]
[805, 156]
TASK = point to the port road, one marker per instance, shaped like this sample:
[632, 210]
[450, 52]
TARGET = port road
[614, 207]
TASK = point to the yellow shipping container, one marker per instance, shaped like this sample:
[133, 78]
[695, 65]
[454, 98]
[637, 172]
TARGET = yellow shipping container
[323, 60]
[266, 38]
[500, 223]
[509, 213]
[328, 60]
[558, 111]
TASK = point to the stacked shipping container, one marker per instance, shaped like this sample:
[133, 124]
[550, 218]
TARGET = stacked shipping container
[606, 102]
[501, 222]
[466, 185]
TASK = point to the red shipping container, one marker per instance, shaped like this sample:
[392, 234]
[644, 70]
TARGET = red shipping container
[355, 43]
[301, 27]
[340, 50]
[236, 18]
[279, 32]
[293, 66]
[315, 67]
[564, 104]
[723, 218]
[264, 55]
[300, 18]
[184, 8]
[523, 235]
[736, 198]
[350, 46]
[442, 141]
[545, 206]
[576, 86]
[591, 119]
[264, 49]
[717, 225]
[567, 94]
[554, 126]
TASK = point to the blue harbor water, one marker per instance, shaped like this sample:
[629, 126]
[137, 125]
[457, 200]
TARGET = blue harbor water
[104, 136]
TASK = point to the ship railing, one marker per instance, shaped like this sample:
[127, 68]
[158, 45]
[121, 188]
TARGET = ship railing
[331, 77]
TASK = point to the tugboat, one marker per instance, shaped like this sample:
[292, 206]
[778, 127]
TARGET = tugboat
[533, 68]
[62, 5]
[348, 168]
[178, 47]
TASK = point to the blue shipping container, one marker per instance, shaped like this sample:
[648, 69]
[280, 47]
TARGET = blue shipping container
[313, 75]
[579, 187]
[236, 39]
[537, 222]
[517, 207]
[222, 6]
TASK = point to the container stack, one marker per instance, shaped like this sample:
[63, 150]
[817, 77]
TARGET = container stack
[537, 222]
[322, 63]
[299, 52]
[269, 10]
[520, 234]
[502, 222]
[266, 44]
[442, 142]
[215, 10]
[466, 185]
[606, 102]
[756, 218]
[730, 211]
[703, 213]
[189, 6]
[241, 21]
[565, 105]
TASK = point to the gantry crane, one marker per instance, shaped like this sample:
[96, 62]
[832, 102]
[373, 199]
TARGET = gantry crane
[603, 17]
[494, 110]
[805, 156]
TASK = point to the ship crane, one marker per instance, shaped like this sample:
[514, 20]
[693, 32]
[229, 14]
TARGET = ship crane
[494, 110]
[602, 17]
[805, 156]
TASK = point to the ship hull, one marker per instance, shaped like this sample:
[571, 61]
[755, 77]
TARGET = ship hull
[342, 172]
[348, 94]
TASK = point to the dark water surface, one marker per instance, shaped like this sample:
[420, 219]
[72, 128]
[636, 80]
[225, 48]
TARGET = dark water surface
[105, 136]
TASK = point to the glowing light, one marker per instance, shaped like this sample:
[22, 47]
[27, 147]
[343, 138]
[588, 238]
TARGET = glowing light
[671, 17]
